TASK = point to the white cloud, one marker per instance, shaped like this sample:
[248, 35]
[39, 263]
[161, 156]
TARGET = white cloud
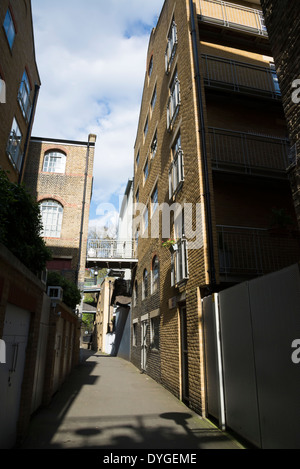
[92, 60]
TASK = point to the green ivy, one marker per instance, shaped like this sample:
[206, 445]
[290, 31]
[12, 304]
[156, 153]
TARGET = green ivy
[71, 294]
[21, 225]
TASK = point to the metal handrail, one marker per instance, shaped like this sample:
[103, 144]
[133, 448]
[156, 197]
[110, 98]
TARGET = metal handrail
[110, 249]
[248, 150]
[233, 16]
[254, 251]
[239, 76]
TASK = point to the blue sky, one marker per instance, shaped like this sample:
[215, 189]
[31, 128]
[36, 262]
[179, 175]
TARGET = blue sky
[92, 59]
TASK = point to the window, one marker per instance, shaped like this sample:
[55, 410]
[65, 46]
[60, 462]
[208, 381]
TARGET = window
[135, 293]
[146, 127]
[174, 101]
[154, 97]
[13, 148]
[150, 68]
[154, 145]
[134, 334]
[9, 28]
[54, 162]
[155, 275]
[275, 78]
[176, 171]
[146, 171]
[145, 220]
[24, 96]
[137, 196]
[52, 215]
[179, 263]
[154, 200]
[171, 46]
[2, 91]
[145, 284]
[137, 160]
[154, 332]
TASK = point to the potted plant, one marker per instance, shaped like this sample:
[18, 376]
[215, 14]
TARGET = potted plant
[170, 244]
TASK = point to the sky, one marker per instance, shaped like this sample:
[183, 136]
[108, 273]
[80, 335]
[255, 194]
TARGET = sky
[91, 58]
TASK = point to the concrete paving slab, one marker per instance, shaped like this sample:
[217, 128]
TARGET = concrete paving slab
[106, 403]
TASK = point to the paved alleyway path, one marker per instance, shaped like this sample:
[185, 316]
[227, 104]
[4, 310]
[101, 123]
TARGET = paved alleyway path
[106, 403]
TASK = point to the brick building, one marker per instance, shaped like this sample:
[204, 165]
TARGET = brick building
[210, 173]
[283, 24]
[60, 175]
[19, 85]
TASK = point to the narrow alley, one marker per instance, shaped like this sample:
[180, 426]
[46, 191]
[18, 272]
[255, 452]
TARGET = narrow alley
[106, 403]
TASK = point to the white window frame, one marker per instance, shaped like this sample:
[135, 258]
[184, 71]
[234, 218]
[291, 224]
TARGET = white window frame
[54, 162]
[24, 96]
[171, 46]
[153, 149]
[176, 173]
[13, 148]
[179, 263]
[51, 219]
[174, 101]
[154, 279]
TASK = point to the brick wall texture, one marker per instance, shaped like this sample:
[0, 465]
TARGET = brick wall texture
[13, 62]
[235, 198]
[282, 20]
[72, 190]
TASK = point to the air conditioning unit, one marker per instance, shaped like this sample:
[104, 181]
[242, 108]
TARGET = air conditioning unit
[55, 293]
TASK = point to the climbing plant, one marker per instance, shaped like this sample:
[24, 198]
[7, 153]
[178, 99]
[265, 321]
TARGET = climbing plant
[21, 225]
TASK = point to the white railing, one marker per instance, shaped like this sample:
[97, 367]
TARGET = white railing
[233, 16]
[110, 249]
[245, 151]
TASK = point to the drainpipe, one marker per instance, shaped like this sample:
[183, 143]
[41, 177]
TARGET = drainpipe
[29, 129]
[204, 152]
[83, 210]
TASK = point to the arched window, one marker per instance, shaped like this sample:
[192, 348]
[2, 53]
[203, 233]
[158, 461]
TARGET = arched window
[135, 293]
[155, 274]
[54, 162]
[145, 284]
[52, 215]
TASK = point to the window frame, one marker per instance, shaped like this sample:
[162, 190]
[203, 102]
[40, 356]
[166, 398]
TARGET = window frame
[172, 41]
[13, 147]
[8, 27]
[155, 333]
[47, 231]
[174, 100]
[24, 96]
[54, 155]
[145, 284]
[155, 277]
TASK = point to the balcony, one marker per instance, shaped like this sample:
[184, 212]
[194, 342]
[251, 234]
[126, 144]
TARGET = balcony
[240, 77]
[250, 252]
[236, 17]
[111, 253]
[248, 153]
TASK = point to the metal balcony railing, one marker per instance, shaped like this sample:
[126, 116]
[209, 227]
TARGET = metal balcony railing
[239, 76]
[110, 249]
[248, 152]
[233, 16]
[252, 252]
